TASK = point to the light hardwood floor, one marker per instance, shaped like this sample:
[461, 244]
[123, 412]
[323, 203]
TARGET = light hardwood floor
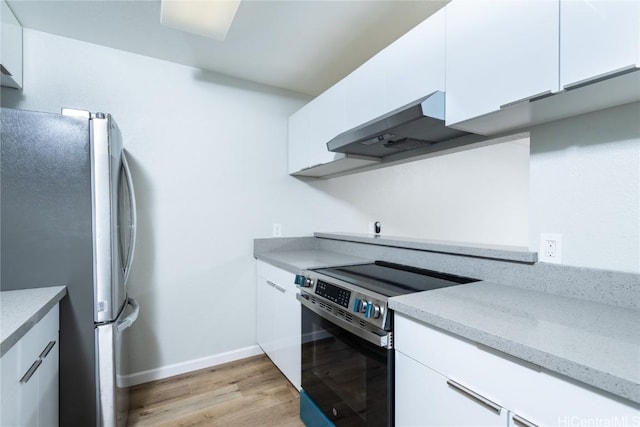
[249, 392]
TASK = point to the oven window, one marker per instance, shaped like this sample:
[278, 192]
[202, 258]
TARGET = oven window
[348, 378]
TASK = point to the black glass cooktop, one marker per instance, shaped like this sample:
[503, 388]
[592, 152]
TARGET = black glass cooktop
[394, 279]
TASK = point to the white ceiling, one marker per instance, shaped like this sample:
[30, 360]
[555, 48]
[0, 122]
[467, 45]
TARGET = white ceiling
[301, 45]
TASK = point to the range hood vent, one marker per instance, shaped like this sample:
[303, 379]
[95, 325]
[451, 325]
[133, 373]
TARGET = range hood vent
[417, 125]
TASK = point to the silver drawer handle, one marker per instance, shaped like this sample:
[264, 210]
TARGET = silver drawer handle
[519, 421]
[270, 283]
[531, 98]
[601, 77]
[280, 288]
[32, 370]
[475, 397]
[47, 349]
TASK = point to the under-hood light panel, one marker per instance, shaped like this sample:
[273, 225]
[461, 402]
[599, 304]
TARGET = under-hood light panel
[209, 18]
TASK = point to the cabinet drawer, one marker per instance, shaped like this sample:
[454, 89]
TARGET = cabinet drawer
[424, 398]
[533, 393]
[280, 277]
[37, 339]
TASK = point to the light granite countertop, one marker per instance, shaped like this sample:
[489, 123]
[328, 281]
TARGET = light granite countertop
[20, 310]
[592, 342]
[298, 260]
[595, 343]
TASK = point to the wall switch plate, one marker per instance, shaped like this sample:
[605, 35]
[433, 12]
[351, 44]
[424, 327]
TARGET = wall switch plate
[550, 248]
[277, 230]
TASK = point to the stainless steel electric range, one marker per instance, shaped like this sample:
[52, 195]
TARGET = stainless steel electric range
[347, 339]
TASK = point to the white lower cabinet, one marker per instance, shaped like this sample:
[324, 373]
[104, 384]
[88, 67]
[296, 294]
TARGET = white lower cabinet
[424, 398]
[278, 319]
[29, 376]
[445, 380]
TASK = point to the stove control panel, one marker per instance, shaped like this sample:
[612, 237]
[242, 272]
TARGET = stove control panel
[333, 293]
[361, 305]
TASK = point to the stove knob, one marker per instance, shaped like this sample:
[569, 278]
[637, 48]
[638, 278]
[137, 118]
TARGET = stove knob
[376, 311]
[373, 310]
[359, 306]
[300, 280]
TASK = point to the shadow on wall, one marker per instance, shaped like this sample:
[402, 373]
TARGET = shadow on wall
[600, 127]
[142, 341]
[237, 83]
[10, 97]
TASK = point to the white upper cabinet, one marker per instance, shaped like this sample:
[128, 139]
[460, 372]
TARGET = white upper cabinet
[11, 48]
[311, 127]
[365, 91]
[416, 63]
[498, 53]
[408, 69]
[597, 37]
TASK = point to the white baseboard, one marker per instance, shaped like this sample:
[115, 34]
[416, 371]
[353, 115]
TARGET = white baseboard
[188, 366]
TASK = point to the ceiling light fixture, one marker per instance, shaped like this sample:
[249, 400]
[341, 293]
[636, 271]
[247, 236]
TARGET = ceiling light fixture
[209, 18]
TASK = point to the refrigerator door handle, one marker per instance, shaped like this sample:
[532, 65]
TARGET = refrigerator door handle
[128, 321]
[134, 216]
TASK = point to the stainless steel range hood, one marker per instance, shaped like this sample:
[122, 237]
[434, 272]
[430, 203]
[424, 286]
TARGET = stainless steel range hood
[418, 125]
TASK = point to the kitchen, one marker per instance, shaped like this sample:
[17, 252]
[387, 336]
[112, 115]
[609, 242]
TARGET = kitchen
[194, 268]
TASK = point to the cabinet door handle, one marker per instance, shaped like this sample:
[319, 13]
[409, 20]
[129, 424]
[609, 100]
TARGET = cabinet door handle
[601, 77]
[32, 370]
[270, 283]
[531, 98]
[521, 422]
[475, 397]
[47, 349]
[280, 288]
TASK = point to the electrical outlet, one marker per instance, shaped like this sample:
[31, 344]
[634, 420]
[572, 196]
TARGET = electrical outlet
[550, 248]
[277, 230]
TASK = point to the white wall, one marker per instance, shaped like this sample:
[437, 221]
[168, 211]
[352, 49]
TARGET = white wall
[209, 157]
[585, 185]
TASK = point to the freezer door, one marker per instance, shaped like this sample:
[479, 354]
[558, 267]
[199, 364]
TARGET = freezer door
[111, 365]
[114, 217]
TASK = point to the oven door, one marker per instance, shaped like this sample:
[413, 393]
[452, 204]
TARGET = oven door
[348, 378]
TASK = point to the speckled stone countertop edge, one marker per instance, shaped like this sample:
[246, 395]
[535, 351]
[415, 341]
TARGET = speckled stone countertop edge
[506, 253]
[615, 385]
[57, 293]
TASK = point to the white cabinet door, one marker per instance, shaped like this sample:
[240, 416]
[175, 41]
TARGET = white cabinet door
[9, 387]
[278, 319]
[11, 48]
[288, 327]
[30, 376]
[497, 53]
[416, 63]
[597, 37]
[423, 398]
[406, 70]
[365, 97]
[315, 124]
[265, 316]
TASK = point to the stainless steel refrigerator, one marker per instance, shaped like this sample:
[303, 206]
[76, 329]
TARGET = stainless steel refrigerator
[68, 217]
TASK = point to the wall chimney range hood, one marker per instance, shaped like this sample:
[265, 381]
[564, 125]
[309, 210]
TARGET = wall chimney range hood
[418, 125]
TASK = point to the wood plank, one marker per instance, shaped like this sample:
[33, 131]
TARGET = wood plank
[247, 392]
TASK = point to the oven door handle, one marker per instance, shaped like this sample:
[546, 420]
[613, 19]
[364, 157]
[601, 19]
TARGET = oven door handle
[384, 341]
